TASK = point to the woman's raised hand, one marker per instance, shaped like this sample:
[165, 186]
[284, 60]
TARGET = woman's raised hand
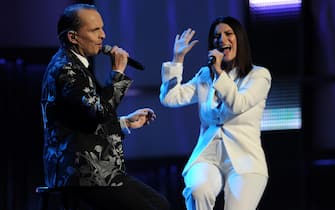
[183, 44]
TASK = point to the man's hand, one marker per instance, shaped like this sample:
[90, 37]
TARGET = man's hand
[119, 59]
[140, 117]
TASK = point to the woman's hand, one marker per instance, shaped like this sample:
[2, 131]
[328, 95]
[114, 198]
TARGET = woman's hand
[140, 117]
[182, 45]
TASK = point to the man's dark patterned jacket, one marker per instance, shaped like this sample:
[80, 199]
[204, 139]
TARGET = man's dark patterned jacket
[82, 133]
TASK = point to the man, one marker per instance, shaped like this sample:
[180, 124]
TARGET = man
[83, 134]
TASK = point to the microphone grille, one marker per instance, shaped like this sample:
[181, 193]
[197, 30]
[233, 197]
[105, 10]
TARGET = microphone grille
[106, 49]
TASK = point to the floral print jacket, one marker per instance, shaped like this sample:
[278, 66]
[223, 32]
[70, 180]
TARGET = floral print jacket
[82, 133]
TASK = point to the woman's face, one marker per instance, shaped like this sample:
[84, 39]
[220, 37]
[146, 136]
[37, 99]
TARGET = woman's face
[225, 40]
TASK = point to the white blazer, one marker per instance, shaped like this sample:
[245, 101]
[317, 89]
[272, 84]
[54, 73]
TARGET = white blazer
[234, 115]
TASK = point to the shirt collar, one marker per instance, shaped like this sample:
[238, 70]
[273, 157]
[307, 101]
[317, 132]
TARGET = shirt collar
[81, 58]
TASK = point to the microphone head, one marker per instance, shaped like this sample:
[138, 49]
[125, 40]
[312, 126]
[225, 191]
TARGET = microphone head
[211, 61]
[106, 49]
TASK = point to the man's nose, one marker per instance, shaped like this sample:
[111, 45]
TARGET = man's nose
[102, 34]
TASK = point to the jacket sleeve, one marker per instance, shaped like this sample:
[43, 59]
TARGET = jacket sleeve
[83, 97]
[254, 91]
[116, 88]
[172, 92]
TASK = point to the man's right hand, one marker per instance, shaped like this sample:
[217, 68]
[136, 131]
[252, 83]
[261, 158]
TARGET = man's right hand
[119, 59]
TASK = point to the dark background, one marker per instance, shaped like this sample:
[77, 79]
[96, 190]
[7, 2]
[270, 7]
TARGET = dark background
[296, 46]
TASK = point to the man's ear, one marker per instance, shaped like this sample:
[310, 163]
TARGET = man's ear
[72, 37]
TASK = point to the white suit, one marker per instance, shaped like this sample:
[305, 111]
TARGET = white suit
[235, 116]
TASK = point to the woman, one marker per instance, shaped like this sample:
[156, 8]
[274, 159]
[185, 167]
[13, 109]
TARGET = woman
[231, 95]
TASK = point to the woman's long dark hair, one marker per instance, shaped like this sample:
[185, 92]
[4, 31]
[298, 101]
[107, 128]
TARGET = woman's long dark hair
[243, 60]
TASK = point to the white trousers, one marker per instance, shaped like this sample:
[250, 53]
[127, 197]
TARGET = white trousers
[213, 172]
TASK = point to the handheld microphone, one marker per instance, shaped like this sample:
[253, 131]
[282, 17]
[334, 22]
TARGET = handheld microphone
[212, 59]
[133, 63]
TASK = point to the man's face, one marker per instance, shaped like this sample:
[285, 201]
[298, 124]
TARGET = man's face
[90, 34]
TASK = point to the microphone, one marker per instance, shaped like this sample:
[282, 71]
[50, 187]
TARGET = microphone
[133, 63]
[212, 59]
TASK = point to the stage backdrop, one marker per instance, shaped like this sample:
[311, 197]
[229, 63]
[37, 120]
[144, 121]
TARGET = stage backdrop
[146, 29]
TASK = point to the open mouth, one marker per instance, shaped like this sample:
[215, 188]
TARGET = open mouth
[222, 49]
